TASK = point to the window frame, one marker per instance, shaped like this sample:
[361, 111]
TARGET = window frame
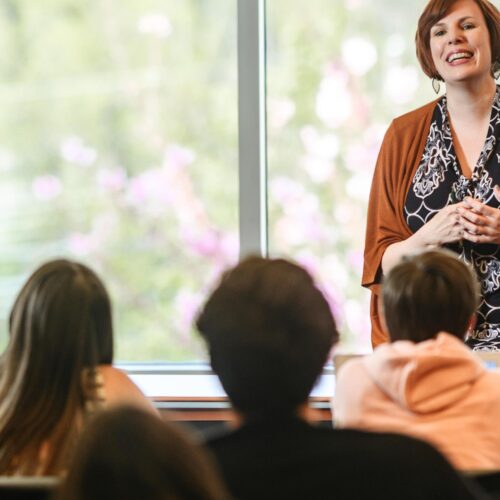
[161, 381]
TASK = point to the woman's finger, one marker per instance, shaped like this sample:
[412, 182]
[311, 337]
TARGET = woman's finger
[473, 217]
[473, 204]
[496, 192]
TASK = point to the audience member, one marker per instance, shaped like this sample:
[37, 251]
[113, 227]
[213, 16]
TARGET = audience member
[269, 331]
[56, 368]
[427, 382]
[128, 454]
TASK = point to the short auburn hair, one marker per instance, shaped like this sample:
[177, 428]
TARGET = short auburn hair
[428, 293]
[434, 11]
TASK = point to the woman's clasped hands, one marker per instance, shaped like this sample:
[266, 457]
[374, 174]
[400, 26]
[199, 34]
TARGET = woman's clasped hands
[480, 223]
[469, 220]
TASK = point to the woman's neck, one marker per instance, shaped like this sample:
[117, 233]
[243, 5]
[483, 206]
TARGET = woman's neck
[470, 101]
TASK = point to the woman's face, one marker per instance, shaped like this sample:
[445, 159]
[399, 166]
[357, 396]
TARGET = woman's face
[460, 43]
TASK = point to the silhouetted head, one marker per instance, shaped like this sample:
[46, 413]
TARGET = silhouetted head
[269, 331]
[126, 453]
[428, 293]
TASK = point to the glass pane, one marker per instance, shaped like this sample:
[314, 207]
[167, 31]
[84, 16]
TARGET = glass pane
[338, 72]
[119, 120]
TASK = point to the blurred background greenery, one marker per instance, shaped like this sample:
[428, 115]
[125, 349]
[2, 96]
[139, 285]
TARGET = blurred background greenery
[338, 73]
[119, 148]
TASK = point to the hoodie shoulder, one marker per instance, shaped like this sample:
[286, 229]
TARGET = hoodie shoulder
[352, 384]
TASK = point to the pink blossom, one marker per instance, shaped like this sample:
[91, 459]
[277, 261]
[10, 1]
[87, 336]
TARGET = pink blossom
[178, 157]
[333, 302]
[334, 100]
[401, 84]
[359, 54]
[297, 230]
[318, 169]
[111, 179]
[46, 187]
[82, 244]
[356, 260]
[187, 305]
[309, 262]
[74, 150]
[230, 247]
[285, 190]
[150, 190]
[324, 146]
[205, 242]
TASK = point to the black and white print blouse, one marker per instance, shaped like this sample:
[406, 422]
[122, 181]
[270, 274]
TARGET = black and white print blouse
[438, 182]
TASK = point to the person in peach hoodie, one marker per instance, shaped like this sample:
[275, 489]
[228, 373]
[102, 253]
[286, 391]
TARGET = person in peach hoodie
[426, 382]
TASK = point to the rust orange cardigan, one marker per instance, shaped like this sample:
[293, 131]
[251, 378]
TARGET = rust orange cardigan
[399, 157]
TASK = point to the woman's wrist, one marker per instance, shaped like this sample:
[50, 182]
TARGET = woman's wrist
[396, 251]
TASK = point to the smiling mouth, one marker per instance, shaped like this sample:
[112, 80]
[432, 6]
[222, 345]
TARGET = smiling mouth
[457, 56]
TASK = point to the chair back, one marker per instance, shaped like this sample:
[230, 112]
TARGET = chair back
[488, 481]
[27, 488]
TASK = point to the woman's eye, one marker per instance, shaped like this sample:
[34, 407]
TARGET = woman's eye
[468, 26]
[439, 33]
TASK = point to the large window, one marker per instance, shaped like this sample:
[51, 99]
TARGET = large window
[119, 149]
[338, 72]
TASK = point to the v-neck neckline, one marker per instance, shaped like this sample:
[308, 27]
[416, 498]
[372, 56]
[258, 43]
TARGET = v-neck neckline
[493, 123]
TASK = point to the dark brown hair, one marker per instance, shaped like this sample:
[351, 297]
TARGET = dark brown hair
[269, 331]
[434, 11]
[127, 453]
[428, 293]
[60, 329]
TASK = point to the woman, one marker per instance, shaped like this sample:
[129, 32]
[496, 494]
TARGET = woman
[437, 176]
[56, 368]
[126, 453]
[426, 382]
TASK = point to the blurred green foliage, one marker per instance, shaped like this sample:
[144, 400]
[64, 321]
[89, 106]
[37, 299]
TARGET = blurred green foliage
[119, 149]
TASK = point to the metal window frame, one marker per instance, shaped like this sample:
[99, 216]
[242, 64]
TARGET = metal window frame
[252, 164]
[252, 128]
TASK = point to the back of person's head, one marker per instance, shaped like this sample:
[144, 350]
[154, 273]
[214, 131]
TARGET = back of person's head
[129, 454]
[60, 328]
[269, 331]
[428, 293]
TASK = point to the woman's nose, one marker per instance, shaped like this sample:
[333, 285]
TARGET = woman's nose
[454, 36]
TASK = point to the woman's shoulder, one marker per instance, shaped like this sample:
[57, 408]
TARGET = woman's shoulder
[414, 118]
[120, 389]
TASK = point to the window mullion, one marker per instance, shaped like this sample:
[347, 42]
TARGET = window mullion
[252, 131]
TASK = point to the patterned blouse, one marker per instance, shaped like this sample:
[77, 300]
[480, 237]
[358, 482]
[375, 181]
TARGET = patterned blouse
[438, 182]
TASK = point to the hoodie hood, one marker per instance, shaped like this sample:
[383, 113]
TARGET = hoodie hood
[425, 377]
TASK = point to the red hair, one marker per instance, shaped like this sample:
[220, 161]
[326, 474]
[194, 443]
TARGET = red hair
[436, 10]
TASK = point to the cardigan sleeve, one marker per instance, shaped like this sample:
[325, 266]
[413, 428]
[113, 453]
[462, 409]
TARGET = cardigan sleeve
[385, 222]
[385, 219]
[399, 157]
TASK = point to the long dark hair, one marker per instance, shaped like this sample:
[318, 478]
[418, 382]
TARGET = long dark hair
[127, 453]
[60, 329]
